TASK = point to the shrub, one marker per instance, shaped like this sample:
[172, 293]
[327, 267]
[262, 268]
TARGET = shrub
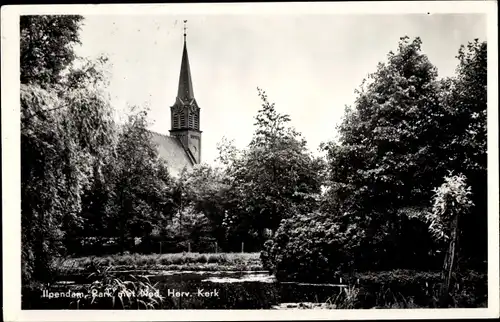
[409, 288]
[266, 255]
[402, 289]
[310, 247]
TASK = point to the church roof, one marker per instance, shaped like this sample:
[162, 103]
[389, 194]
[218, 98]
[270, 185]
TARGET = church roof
[171, 150]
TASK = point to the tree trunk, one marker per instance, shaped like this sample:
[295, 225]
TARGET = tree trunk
[122, 224]
[449, 265]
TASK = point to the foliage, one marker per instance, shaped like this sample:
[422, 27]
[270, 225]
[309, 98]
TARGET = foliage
[86, 73]
[312, 247]
[109, 291]
[465, 146]
[346, 298]
[273, 176]
[46, 47]
[82, 175]
[207, 192]
[140, 184]
[64, 129]
[187, 225]
[176, 261]
[415, 289]
[41, 211]
[228, 153]
[61, 144]
[465, 100]
[401, 137]
[398, 289]
[451, 199]
[134, 196]
[386, 298]
[395, 145]
[410, 276]
[387, 147]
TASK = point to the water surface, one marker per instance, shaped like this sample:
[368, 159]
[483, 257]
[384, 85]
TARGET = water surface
[212, 290]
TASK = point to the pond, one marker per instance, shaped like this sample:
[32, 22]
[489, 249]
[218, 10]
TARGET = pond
[259, 290]
[236, 290]
[216, 290]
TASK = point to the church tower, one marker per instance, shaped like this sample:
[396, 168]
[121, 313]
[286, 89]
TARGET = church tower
[185, 113]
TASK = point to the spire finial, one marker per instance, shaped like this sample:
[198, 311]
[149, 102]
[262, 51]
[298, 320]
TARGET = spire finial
[185, 21]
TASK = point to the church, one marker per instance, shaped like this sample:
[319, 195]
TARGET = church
[182, 148]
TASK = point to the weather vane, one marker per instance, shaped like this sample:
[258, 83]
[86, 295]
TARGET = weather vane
[185, 21]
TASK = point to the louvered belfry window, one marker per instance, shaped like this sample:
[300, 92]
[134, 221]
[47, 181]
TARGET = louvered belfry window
[183, 120]
[191, 120]
[176, 120]
[197, 122]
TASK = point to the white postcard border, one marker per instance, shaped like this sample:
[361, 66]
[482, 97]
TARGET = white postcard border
[11, 158]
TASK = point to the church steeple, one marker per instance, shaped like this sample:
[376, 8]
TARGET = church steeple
[185, 91]
[185, 113]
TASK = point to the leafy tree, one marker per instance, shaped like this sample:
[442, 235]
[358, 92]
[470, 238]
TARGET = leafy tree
[42, 185]
[465, 143]
[451, 201]
[228, 153]
[65, 129]
[142, 187]
[59, 148]
[47, 46]
[208, 192]
[387, 141]
[387, 159]
[407, 130]
[275, 174]
[187, 226]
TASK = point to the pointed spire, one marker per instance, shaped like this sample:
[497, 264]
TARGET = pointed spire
[185, 83]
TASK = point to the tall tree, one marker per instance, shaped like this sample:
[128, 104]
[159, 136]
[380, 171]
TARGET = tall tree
[387, 159]
[208, 193]
[405, 132]
[141, 184]
[465, 144]
[64, 134]
[60, 149]
[275, 175]
[47, 46]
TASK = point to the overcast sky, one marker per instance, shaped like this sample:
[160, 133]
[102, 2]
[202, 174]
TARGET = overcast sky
[309, 65]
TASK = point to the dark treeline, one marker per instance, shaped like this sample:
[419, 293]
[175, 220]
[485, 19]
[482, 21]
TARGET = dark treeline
[404, 187]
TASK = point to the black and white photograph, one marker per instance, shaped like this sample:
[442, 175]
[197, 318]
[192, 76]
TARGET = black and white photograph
[202, 158]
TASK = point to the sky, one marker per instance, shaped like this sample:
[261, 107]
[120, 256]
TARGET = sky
[309, 65]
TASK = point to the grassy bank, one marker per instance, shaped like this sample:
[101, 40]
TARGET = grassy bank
[177, 261]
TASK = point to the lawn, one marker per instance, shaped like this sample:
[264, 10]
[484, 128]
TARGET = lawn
[175, 261]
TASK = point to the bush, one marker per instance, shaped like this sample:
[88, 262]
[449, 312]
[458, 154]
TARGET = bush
[405, 288]
[399, 289]
[311, 248]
